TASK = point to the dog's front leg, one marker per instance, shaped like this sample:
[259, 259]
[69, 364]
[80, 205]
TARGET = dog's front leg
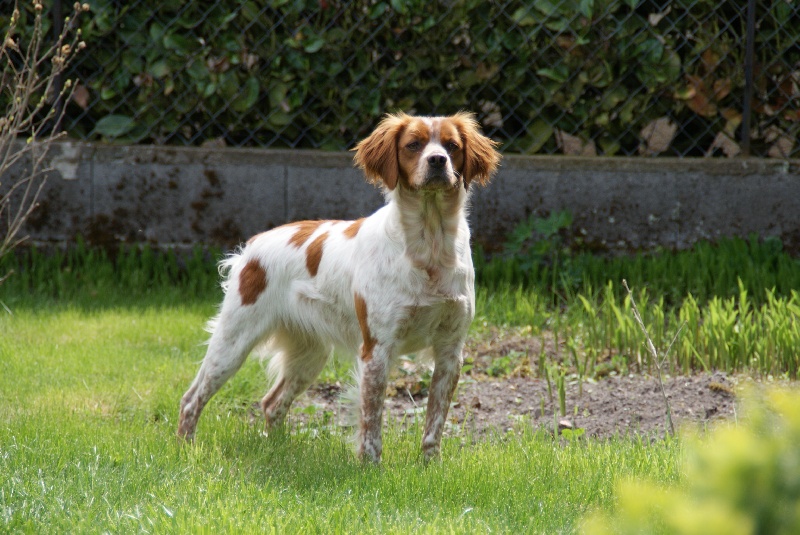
[443, 385]
[374, 375]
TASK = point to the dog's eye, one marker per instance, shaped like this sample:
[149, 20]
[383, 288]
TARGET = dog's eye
[451, 146]
[414, 146]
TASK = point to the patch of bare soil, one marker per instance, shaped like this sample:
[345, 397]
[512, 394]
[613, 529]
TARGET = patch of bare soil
[604, 408]
[502, 386]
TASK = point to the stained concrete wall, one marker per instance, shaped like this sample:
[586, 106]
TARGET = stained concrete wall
[185, 196]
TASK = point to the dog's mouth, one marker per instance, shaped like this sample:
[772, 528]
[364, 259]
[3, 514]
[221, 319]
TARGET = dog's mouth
[439, 180]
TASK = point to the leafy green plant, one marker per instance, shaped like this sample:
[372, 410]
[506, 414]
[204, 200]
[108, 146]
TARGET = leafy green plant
[501, 366]
[743, 479]
[305, 73]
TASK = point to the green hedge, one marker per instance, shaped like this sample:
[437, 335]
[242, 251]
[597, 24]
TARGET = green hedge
[319, 73]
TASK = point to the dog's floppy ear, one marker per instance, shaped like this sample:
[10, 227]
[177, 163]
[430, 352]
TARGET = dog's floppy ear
[481, 158]
[377, 154]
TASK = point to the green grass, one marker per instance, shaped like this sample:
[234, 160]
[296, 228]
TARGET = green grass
[88, 399]
[738, 301]
[96, 351]
[706, 270]
[734, 334]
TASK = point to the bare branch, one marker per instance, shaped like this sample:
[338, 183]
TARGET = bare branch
[29, 73]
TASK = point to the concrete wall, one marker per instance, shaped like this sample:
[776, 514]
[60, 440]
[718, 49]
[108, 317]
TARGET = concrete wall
[183, 196]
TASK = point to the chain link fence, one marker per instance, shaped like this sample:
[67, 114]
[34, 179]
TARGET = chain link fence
[580, 77]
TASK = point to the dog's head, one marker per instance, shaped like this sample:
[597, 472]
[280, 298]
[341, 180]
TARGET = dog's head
[427, 153]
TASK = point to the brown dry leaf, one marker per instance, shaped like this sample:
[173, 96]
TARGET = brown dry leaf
[486, 71]
[574, 146]
[722, 142]
[218, 64]
[700, 102]
[249, 61]
[722, 88]
[772, 133]
[566, 42]
[81, 96]
[782, 148]
[733, 119]
[792, 115]
[658, 135]
[710, 60]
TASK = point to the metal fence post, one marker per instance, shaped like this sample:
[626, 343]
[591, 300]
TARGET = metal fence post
[748, 76]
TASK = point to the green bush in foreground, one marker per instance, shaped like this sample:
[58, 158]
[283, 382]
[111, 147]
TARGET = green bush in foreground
[742, 479]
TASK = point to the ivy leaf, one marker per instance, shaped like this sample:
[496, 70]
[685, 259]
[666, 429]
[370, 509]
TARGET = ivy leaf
[586, 7]
[279, 118]
[114, 125]
[377, 10]
[399, 6]
[314, 44]
[559, 73]
[523, 17]
[538, 134]
[178, 43]
[159, 69]
[249, 95]
[546, 7]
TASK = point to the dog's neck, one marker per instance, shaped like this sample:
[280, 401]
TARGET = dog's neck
[429, 223]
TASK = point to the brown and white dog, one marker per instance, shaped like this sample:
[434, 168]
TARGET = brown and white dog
[397, 282]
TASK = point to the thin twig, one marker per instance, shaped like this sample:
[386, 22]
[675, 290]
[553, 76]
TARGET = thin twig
[28, 73]
[654, 354]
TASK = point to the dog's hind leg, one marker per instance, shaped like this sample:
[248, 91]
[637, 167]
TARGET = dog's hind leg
[234, 337]
[297, 363]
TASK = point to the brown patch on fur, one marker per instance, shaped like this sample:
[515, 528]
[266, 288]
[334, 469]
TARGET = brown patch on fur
[481, 158]
[351, 231]
[314, 253]
[377, 154]
[408, 159]
[252, 281]
[304, 231]
[369, 341]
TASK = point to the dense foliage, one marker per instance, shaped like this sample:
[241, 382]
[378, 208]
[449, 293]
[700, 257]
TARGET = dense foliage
[541, 75]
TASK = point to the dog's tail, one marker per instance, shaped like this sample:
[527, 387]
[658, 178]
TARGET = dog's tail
[226, 269]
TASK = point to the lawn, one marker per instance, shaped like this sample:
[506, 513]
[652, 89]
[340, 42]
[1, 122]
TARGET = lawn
[95, 353]
[89, 395]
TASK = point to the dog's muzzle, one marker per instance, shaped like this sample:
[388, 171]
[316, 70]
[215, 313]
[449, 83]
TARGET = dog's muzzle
[438, 176]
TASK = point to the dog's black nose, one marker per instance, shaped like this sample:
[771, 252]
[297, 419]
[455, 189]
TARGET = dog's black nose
[437, 161]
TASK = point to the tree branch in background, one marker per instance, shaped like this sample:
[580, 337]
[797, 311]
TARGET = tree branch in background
[33, 106]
